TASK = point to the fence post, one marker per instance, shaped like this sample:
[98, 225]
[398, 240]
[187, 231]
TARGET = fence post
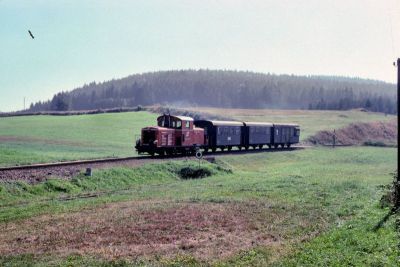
[334, 138]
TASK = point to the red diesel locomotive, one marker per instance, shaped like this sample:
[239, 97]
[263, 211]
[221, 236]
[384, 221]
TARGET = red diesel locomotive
[172, 135]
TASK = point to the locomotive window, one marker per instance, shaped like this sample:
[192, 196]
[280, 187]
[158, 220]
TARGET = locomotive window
[178, 124]
[187, 124]
[219, 130]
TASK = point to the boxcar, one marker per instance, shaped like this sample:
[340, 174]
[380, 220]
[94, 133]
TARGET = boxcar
[286, 134]
[221, 134]
[257, 134]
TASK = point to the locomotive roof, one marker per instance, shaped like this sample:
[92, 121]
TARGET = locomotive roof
[182, 118]
[226, 123]
[258, 123]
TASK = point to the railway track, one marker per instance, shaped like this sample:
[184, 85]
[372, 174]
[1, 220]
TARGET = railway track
[39, 172]
[116, 160]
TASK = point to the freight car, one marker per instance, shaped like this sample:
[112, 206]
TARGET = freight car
[221, 134]
[183, 135]
[257, 134]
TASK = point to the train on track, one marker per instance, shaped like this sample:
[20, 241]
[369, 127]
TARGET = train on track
[184, 135]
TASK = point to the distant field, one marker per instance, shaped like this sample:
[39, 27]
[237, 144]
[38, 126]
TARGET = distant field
[30, 139]
[311, 207]
[310, 121]
[33, 139]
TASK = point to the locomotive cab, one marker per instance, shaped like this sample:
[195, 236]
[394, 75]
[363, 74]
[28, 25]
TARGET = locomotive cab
[173, 134]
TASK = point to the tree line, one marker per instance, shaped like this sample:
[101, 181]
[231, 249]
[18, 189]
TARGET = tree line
[231, 89]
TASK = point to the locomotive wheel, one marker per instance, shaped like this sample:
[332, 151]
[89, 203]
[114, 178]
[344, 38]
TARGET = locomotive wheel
[239, 147]
[288, 145]
[276, 146]
[229, 148]
[206, 150]
[260, 146]
[269, 146]
[246, 147]
[214, 149]
[282, 145]
[222, 148]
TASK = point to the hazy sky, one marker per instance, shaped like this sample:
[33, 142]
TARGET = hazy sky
[82, 41]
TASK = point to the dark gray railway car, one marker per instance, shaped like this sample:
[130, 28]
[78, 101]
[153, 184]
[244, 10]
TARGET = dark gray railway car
[257, 134]
[221, 134]
[286, 134]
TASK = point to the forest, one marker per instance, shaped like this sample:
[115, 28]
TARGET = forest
[232, 89]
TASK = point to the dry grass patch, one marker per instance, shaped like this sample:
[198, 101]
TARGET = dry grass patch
[147, 229]
[384, 133]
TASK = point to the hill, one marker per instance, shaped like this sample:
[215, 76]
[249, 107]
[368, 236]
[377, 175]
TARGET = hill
[231, 89]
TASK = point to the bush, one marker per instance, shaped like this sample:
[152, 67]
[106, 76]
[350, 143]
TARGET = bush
[392, 196]
[374, 143]
[194, 173]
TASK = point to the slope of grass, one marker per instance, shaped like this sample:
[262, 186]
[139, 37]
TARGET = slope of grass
[313, 202]
[33, 139]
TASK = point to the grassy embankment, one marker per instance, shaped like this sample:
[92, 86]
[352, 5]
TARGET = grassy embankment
[314, 207]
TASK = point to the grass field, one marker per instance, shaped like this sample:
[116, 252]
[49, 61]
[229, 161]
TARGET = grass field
[34, 139]
[311, 207]
[314, 207]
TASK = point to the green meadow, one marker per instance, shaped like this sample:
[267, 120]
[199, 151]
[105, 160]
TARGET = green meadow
[33, 139]
[310, 207]
[315, 207]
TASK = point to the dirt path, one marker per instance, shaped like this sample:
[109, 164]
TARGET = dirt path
[146, 228]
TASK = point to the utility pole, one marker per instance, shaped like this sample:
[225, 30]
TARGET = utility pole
[397, 182]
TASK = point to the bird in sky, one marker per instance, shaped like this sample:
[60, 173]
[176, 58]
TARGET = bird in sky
[30, 33]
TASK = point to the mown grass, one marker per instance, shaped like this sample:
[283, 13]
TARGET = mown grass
[325, 202]
[32, 139]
